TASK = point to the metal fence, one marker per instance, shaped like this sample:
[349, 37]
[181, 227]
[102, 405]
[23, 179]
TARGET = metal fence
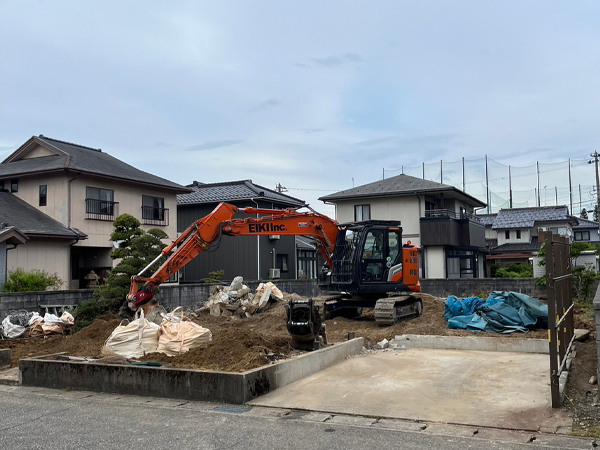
[561, 323]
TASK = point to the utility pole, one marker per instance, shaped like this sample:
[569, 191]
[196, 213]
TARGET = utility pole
[595, 155]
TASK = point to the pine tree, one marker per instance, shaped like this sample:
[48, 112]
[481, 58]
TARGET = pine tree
[583, 214]
[135, 250]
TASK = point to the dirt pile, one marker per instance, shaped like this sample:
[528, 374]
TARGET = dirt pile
[87, 342]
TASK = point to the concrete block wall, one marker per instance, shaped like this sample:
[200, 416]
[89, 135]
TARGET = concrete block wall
[477, 286]
[33, 301]
[195, 295]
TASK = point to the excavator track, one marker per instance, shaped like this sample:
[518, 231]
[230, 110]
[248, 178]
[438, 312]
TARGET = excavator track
[389, 310]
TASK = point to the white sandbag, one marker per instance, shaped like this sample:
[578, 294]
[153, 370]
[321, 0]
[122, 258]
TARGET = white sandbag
[67, 318]
[10, 330]
[34, 317]
[178, 334]
[133, 340]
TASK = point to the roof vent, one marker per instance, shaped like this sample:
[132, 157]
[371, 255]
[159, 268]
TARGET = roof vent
[261, 193]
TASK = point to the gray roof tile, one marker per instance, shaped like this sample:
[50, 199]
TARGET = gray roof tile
[584, 223]
[234, 191]
[15, 212]
[82, 159]
[398, 185]
[486, 219]
[532, 246]
[527, 217]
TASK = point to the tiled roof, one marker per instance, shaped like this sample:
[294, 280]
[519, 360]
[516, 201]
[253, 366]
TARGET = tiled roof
[527, 217]
[234, 191]
[584, 223]
[532, 246]
[14, 212]
[398, 185]
[78, 158]
[486, 219]
[305, 243]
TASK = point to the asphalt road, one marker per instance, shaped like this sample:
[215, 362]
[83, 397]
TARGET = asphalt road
[34, 418]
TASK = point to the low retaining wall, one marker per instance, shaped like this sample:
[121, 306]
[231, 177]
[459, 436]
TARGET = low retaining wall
[467, 287]
[34, 301]
[486, 344]
[224, 387]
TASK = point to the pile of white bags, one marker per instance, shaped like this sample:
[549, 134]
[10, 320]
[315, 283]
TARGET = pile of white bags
[175, 336]
[18, 323]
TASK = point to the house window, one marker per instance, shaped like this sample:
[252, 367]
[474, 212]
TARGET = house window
[43, 194]
[153, 209]
[362, 212]
[14, 185]
[518, 234]
[99, 203]
[582, 235]
[461, 264]
[307, 264]
[507, 234]
[282, 262]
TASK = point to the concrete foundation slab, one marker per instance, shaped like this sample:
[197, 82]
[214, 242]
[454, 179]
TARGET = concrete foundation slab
[486, 344]
[223, 387]
[10, 377]
[489, 389]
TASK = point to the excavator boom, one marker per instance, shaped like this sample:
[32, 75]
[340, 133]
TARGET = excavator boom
[206, 232]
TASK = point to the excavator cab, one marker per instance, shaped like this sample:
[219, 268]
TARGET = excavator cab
[369, 258]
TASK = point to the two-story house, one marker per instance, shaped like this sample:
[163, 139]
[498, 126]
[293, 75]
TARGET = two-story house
[252, 257]
[83, 189]
[438, 218]
[512, 234]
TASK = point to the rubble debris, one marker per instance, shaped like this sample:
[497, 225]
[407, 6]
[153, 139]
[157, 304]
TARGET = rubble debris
[581, 334]
[238, 301]
[382, 344]
[593, 380]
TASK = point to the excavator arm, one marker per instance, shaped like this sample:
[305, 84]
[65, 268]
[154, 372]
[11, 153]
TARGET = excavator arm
[206, 233]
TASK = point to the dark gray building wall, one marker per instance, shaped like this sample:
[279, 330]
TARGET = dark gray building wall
[248, 256]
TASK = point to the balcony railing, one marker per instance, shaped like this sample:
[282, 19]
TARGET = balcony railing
[446, 213]
[101, 209]
[155, 216]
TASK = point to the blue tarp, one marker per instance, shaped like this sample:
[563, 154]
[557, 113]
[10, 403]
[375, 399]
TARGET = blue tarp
[502, 312]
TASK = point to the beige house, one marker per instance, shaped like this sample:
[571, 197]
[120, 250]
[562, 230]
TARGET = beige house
[84, 190]
[438, 218]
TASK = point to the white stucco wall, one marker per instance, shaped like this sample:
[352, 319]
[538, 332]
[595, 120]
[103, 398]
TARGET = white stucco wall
[435, 262]
[525, 237]
[406, 209]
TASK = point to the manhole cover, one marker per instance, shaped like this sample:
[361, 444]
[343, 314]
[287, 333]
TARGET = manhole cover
[232, 409]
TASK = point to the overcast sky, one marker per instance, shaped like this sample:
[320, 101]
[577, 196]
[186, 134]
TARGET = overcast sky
[315, 95]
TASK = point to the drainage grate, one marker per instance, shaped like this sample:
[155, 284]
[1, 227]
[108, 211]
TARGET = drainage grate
[232, 409]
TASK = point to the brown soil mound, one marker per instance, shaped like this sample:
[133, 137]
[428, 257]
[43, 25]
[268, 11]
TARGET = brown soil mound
[87, 342]
[430, 322]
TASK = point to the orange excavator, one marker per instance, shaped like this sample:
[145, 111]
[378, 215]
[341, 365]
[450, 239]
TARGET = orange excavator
[366, 265]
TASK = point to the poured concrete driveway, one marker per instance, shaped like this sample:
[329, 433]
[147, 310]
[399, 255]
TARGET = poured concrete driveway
[491, 389]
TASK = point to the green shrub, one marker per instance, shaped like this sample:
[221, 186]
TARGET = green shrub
[19, 280]
[213, 277]
[512, 271]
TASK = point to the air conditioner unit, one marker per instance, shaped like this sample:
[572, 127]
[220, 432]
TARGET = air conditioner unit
[274, 236]
[274, 273]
